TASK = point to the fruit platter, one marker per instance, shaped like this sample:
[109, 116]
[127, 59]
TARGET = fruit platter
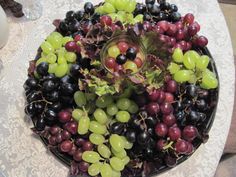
[123, 89]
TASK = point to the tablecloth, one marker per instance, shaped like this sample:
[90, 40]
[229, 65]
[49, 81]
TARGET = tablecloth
[23, 155]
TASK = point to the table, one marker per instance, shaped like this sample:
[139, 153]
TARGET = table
[23, 155]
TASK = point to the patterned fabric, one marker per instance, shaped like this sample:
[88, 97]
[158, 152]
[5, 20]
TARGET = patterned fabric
[23, 155]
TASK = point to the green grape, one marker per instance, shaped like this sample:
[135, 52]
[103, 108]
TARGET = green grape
[69, 66]
[127, 93]
[51, 58]
[194, 55]
[182, 76]
[193, 79]
[112, 110]
[52, 68]
[100, 116]
[130, 6]
[47, 47]
[104, 151]
[123, 116]
[117, 164]
[100, 10]
[115, 173]
[125, 160]
[120, 18]
[113, 51]
[97, 128]
[94, 169]
[138, 18]
[173, 68]
[83, 125]
[108, 8]
[77, 114]
[120, 154]
[56, 34]
[116, 142]
[188, 61]
[123, 103]
[104, 101]
[90, 96]
[66, 39]
[91, 157]
[209, 81]
[113, 16]
[80, 98]
[209, 72]
[96, 138]
[203, 62]
[40, 60]
[129, 17]
[55, 41]
[120, 5]
[128, 145]
[130, 66]
[106, 170]
[70, 57]
[61, 60]
[178, 55]
[90, 108]
[61, 70]
[133, 108]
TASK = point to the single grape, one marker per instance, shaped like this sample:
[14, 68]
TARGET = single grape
[189, 18]
[117, 128]
[83, 166]
[104, 151]
[182, 76]
[153, 108]
[161, 130]
[100, 116]
[108, 8]
[121, 154]
[125, 160]
[190, 132]
[173, 68]
[128, 145]
[113, 51]
[133, 108]
[96, 138]
[188, 61]
[83, 126]
[105, 169]
[104, 101]
[161, 143]
[116, 142]
[77, 114]
[203, 62]
[130, 66]
[97, 128]
[166, 108]
[91, 157]
[77, 156]
[65, 146]
[123, 116]
[87, 146]
[47, 47]
[138, 61]
[61, 70]
[174, 133]
[123, 103]
[112, 110]
[209, 81]
[110, 63]
[130, 6]
[181, 146]
[143, 138]
[80, 98]
[64, 116]
[94, 169]
[123, 46]
[169, 120]
[70, 57]
[116, 173]
[106, 20]
[202, 41]
[116, 164]
[178, 55]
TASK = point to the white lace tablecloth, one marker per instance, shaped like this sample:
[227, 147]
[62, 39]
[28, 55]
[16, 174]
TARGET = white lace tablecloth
[23, 155]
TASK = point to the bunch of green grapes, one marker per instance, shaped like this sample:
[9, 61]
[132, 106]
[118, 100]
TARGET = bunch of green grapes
[121, 10]
[191, 67]
[110, 156]
[55, 54]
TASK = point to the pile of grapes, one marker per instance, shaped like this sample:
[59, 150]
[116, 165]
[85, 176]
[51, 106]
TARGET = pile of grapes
[127, 108]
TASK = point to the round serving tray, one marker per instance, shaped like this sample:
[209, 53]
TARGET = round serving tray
[67, 160]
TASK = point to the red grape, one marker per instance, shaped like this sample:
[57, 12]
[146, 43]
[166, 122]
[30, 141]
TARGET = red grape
[172, 41]
[169, 120]
[71, 46]
[110, 63]
[202, 41]
[52, 140]
[189, 18]
[77, 38]
[167, 78]
[87, 146]
[192, 30]
[190, 148]
[73, 150]
[171, 86]
[197, 26]
[71, 126]
[171, 30]
[65, 135]
[169, 97]
[138, 62]
[180, 34]
[174, 133]
[106, 20]
[54, 129]
[164, 25]
[123, 46]
[152, 108]
[115, 27]
[77, 156]
[79, 142]
[78, 49]
[190, 132]
[147, 26]
[166, 108]
[161, 130]
[159, 30]
[66, 146]
[188, 46]
[181, 146]
[162, 97]
[83, 166]
[64, 116]
[118, 68]
[179, 25]
[153, 96]
[59, 138]
[161, 144]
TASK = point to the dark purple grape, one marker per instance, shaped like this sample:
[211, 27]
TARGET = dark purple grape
[153, 108]
[55, 106]
[130, 135]
[54, 130]
[143, 138]
[121, 59]
[70, 15]
[87, 146]
[151, 121]
[117, 128]
[52, 96]
[190, 132]
[131, 53]
[49, 85]
[192, 91]
[140, 99]
[30, 109]
[72, 127]
[65, 135]
[89, 8]
[170, 161]
[33, 96]
[50, 116]
[39, 106]
[79, 142]
[52, 140]
[59, 138]
[79, 15]
[161, 144]
[40, 124]
[201, 105]
[83, 166]
[169, 120]
[67, 89]
[171, 86]
[30, 83]
[42, 69]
